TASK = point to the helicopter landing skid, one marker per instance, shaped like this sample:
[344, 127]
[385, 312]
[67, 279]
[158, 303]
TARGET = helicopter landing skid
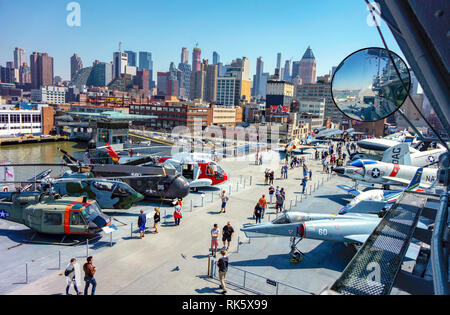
[37, 238]
[295, 254]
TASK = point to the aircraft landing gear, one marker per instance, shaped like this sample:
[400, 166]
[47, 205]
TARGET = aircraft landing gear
[295, 253]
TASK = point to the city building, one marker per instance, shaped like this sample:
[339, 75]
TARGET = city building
[210, 93]
[307, 68]
[216, 58]
[226, 87]
[120, 62]
[257, 91]
[132, 56]
[185, 68]
[49, 94]
[278, 60]
[279, 97]
[316, 107]
[75, 65]
[19, 57]
[142, 79]
[317, 92]
[101, 74]
[173, 113]
[25, 119]
[41, 65]
[311, 120]
[146, 63]
[196, 56]
[286, 74]
[184, 55]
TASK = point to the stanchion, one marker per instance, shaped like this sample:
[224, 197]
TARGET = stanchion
[202, 200]
[290, 206]
[251, 178]
[212, 197]
[237, 249]
[229, 190]
[191, 206]
[131, 228]
[296, 200]
[26, 272]
[237, 186]
[87, 248]
[59, 259]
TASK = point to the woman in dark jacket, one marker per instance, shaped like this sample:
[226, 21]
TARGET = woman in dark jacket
[156, 219]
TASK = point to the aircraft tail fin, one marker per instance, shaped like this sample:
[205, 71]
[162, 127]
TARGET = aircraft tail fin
[415, 182]
[397, 154]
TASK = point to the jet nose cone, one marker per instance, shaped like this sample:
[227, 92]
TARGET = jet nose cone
[339, 170]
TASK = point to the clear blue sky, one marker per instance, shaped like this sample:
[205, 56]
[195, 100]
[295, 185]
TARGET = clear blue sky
[233, 28]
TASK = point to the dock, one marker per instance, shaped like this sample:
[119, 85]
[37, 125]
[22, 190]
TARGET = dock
[31, 139]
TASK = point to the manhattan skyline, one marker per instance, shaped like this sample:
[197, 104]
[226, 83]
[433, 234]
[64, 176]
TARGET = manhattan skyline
[332, 29]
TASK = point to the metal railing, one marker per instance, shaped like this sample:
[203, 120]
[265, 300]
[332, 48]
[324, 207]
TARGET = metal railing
[255, 283]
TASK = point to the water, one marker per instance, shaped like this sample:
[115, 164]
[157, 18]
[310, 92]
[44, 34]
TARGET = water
[46, 152]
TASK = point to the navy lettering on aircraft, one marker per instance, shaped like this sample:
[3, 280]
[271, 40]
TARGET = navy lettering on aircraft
[396, 155]
[430, 179]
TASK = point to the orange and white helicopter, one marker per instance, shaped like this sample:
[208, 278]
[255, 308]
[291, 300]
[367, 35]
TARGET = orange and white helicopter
[198, 168]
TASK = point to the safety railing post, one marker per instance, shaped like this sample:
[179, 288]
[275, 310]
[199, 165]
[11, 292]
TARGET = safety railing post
[26, 272]
[131, 228]
[59, 259]
[191, 206]
[251, 178]
[245, 273]
[87, 248]
[110, 239]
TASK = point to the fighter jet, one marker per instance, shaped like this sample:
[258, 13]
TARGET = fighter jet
[354, 227]
[363, 201]
[376, 172]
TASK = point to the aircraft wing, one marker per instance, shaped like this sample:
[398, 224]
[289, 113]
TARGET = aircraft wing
[359, 238]
[374, 268]
[368, 207]
[350, 190]
[199, 183]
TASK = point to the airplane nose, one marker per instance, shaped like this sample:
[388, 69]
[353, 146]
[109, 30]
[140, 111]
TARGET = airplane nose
[340, 170]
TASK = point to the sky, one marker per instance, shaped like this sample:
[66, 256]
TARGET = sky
[233, 28]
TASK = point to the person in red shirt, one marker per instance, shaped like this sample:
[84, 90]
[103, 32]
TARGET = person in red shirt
[263, 203]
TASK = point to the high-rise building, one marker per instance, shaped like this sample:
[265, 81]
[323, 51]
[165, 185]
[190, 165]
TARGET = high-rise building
[216, 58]
[240, 70]
[146, 63]
[75, 65]
[211, 83]
[184, 55]
[196, 55]
[101, 74]
[19, 57]
[197, 84]
[186, 83]
[307, 69]
[41, 65]
[221, 69]
[131, 58]
[278, 60]
[258, 77]
[226, 89]
[120, 62]
[142, 80]
[286, 76]
[295, 69]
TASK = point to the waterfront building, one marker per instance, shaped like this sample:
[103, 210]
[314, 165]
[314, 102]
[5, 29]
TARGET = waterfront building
[25, 119]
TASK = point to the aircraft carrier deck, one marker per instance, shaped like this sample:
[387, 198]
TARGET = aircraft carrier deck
[175, 261]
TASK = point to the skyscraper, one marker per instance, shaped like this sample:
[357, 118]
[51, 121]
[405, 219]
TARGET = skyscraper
[216, 58]
[41, 65]
[295, 69]
[120, 61]
[211, 83]
[75, 65]
[287, 71]
[257, 85]
[196, 55]
[19, 57]
[278, 60]
[131, 58]
[146, 63]
[307, 69]
[184, 55]
[186, 70]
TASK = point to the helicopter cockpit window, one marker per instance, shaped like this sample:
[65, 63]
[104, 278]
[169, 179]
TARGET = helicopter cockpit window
[103, 186]
[52, 218]
[91, 212]
[282, 219]
[188, 171]
[76, 219]
[121, 191]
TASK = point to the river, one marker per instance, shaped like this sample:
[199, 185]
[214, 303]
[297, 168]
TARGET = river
[45, 152]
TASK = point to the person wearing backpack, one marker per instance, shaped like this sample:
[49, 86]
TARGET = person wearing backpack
[89, 273]
[258, 213]
[70, 276]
